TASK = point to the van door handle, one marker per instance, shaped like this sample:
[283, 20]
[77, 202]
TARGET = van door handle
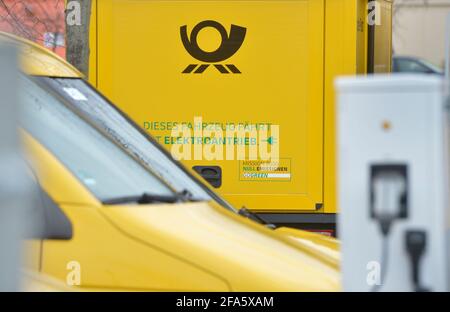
[212, 174]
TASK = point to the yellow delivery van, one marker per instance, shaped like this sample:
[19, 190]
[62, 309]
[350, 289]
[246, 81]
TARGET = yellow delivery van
[119, 213]
[242, 91]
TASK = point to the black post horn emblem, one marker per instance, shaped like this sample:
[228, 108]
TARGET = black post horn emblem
[229, 46]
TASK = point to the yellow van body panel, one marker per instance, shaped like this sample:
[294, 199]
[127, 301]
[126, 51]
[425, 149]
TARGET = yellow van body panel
[383, 38]
[148, 19]
[93, 44]
[292, 52]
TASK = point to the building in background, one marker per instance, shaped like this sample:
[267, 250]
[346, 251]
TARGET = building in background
[419, 28]
[42, 21]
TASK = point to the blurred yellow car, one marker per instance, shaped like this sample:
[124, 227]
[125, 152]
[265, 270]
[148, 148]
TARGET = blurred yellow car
[32, 281]
[123, 215]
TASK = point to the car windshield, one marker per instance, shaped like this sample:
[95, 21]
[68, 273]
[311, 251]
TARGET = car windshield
[433, 66]
[100, 164]
[95, 108]
[416, 65]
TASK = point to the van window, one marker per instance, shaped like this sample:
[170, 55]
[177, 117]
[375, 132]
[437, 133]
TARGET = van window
[101, 165]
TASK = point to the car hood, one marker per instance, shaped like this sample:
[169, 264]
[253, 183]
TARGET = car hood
[327, 247]
[241, 251]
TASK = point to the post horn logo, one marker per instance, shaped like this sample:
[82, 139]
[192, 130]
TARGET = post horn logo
[228, 47]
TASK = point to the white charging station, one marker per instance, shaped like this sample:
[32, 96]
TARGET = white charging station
[393, 172]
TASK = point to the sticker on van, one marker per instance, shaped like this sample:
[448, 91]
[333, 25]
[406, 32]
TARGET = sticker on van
[265, 170]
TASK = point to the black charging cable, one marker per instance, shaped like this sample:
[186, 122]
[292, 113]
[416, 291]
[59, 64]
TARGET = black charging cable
[385, 221]
[415, 244]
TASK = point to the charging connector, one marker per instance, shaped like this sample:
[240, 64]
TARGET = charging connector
[389, 192]
[415, 244]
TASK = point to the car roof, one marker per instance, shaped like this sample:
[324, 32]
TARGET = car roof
[38, 61]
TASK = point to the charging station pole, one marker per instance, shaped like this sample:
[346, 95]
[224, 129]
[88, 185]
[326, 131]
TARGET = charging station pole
[393, 183]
